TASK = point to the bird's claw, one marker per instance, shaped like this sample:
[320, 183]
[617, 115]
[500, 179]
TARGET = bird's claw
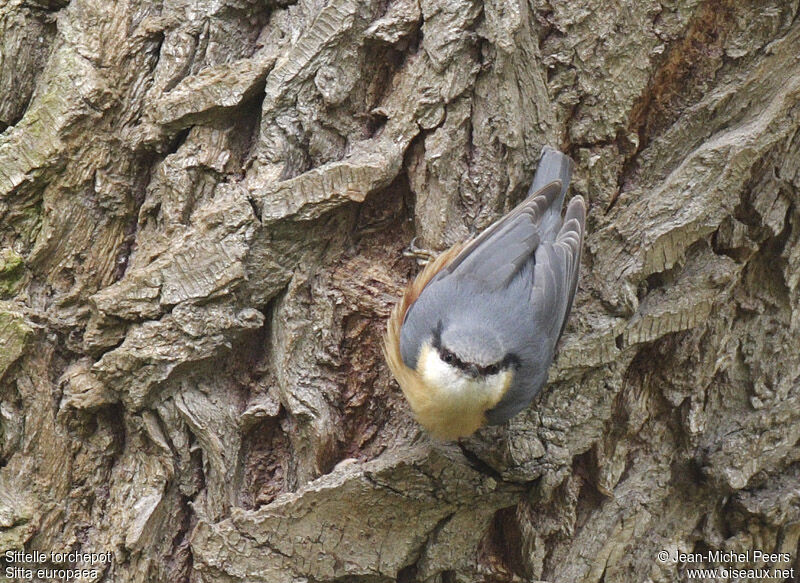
[422, 256]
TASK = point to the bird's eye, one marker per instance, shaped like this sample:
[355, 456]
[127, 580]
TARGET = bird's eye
[448, 357]
[492, 369]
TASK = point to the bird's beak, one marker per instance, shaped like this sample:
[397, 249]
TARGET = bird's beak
[472, 371]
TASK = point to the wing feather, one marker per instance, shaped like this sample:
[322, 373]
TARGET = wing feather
[555, 276]
[498, 253]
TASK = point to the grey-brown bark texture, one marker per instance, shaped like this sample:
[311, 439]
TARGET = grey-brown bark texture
[203, 211]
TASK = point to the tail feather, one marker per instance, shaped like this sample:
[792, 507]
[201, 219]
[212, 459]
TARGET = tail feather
[553, 165]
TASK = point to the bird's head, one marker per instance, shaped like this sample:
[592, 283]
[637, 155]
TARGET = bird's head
[466, 372]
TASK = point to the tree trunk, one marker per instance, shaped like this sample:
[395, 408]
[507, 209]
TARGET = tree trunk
[203, 212]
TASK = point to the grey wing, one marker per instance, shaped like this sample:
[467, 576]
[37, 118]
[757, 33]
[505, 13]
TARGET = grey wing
[501, 250]
[498, 253]
[555, 277]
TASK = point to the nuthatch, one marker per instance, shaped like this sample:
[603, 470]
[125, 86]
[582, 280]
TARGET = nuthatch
[473, 336]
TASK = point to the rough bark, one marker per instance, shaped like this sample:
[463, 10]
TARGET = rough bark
[203, 212]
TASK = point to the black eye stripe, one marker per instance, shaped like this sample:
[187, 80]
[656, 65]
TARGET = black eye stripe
[509, 361]
[449, 357]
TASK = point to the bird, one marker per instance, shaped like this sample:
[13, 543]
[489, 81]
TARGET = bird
[472, 337]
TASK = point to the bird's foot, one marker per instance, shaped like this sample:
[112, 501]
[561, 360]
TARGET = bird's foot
[422, 256]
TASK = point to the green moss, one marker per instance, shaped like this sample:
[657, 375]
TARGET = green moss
[15, 333]
[12, 271]
[30, 223]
